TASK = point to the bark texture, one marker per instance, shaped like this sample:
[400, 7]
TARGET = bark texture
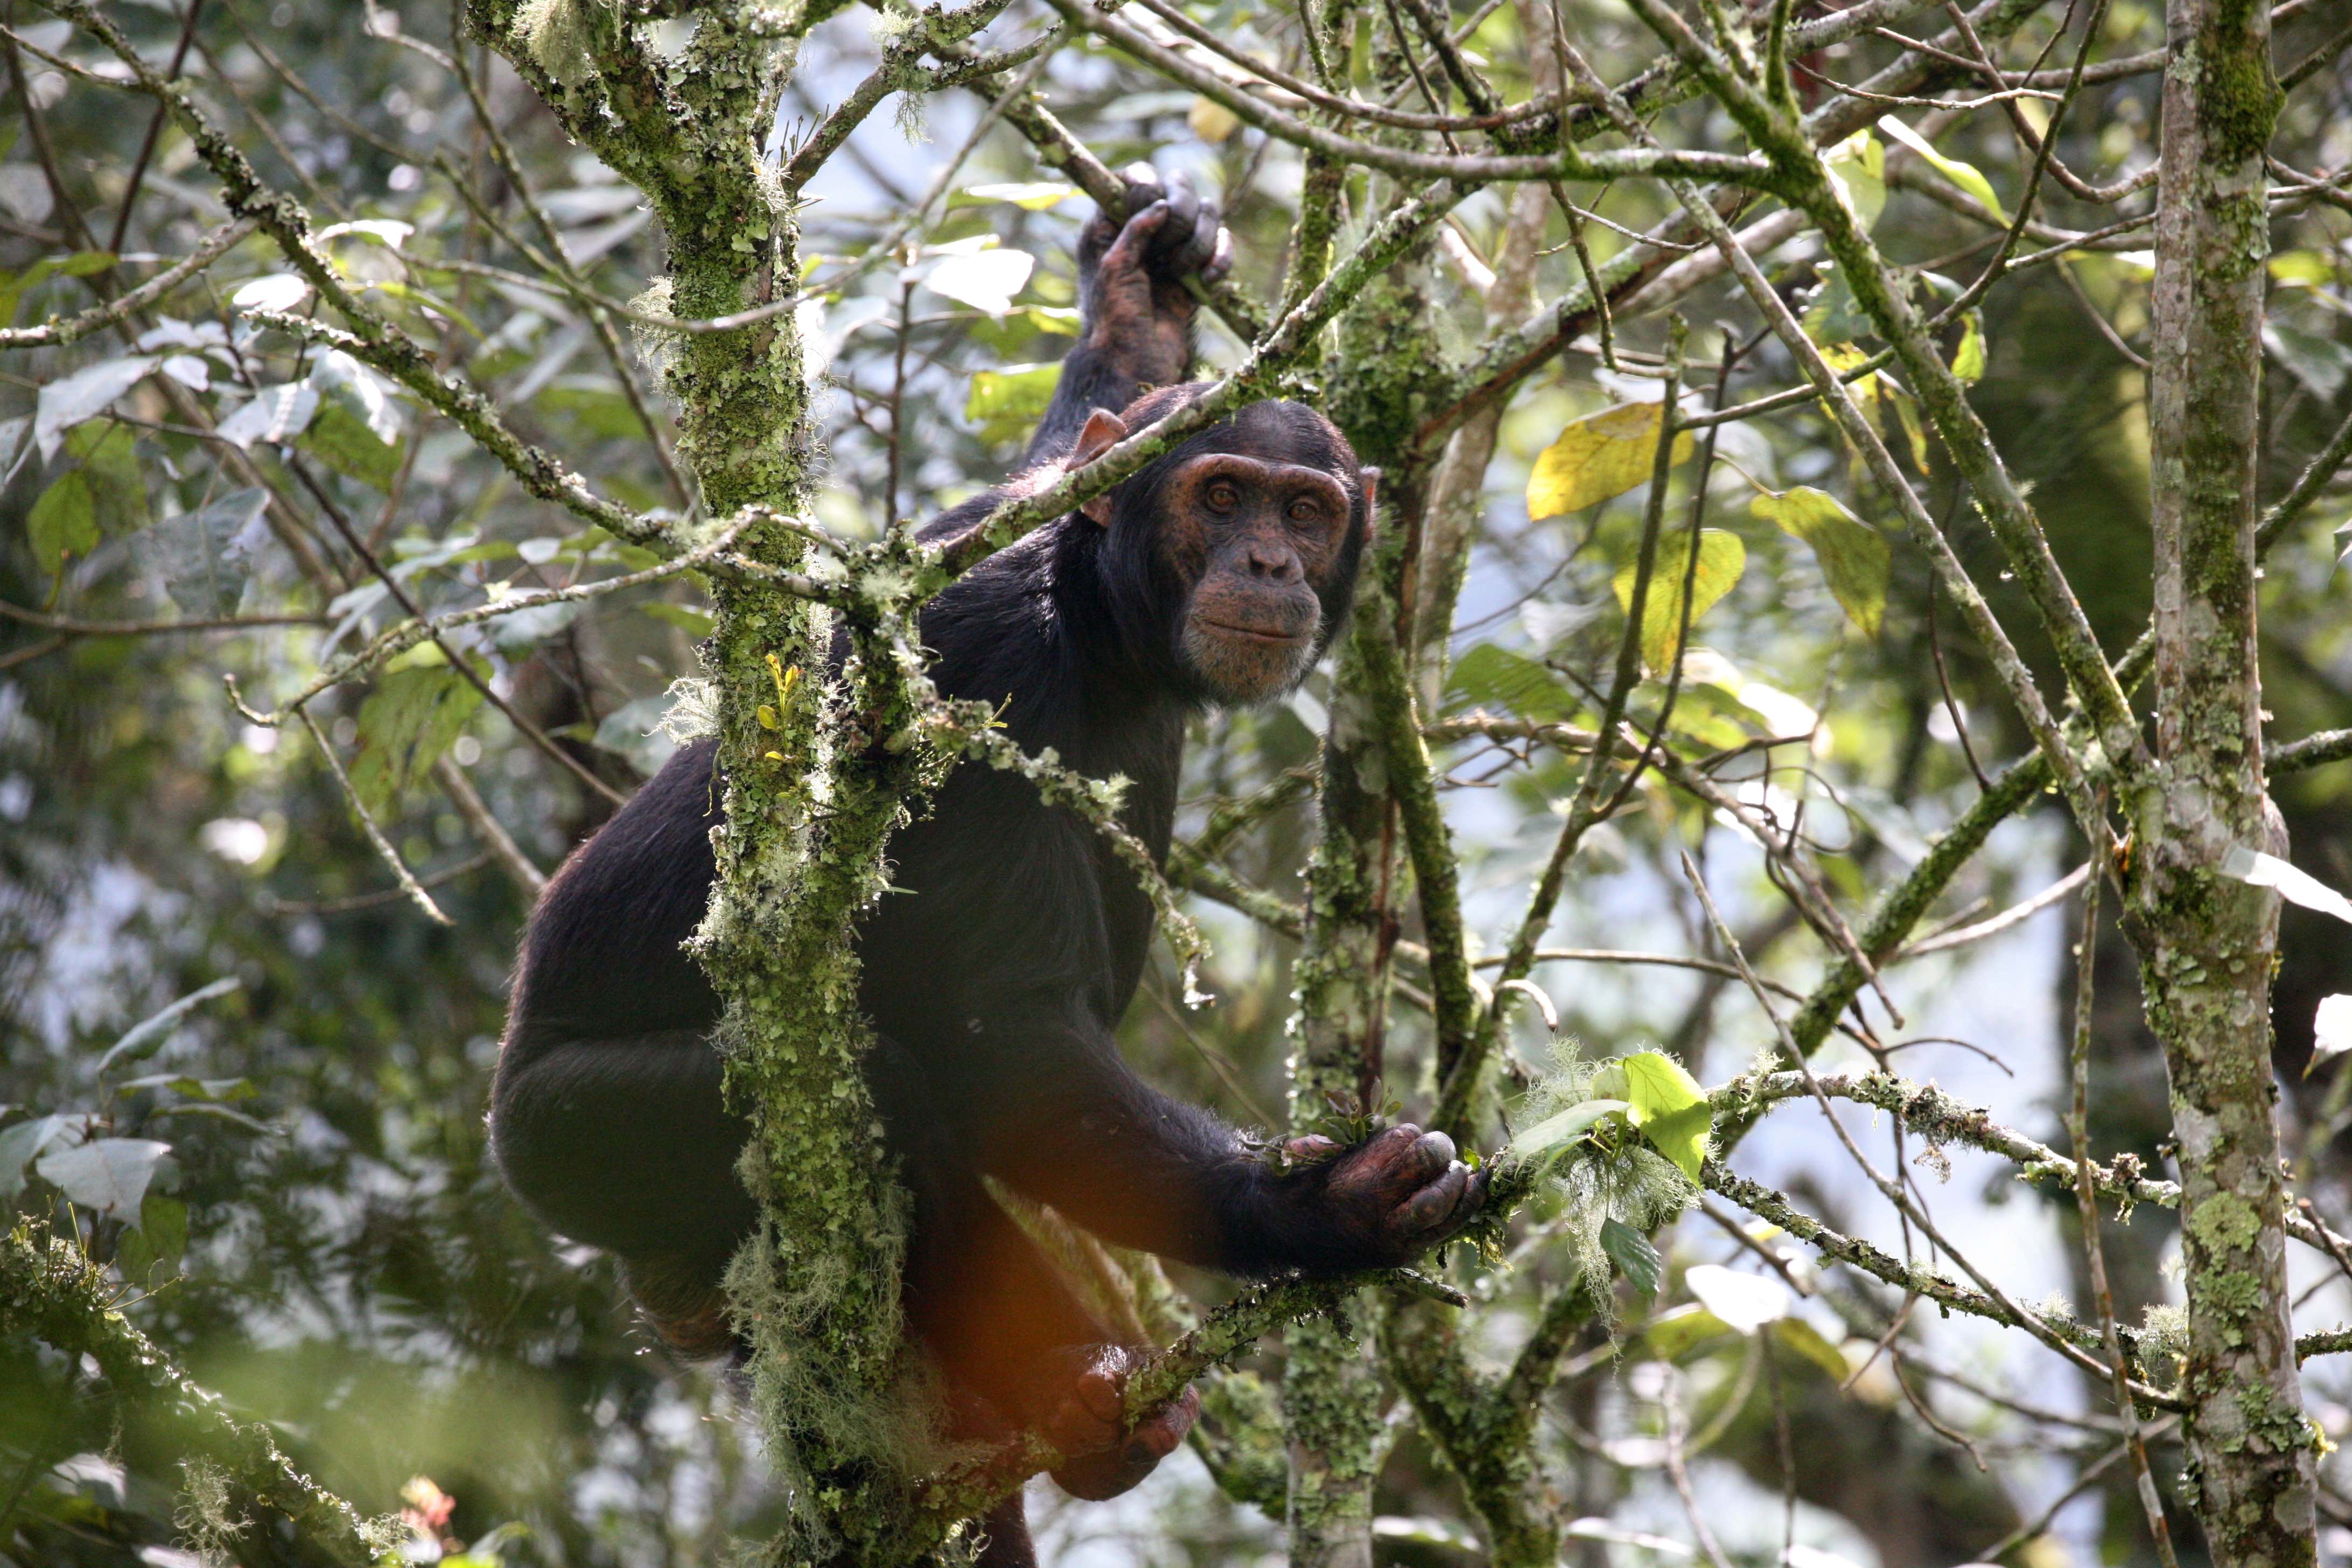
[2206, 941]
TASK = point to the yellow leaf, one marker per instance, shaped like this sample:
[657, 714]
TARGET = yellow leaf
[1212, 120]
[1599, 456]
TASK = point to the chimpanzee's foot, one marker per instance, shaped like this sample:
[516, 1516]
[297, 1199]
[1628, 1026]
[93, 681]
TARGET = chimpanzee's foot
[1090, 1424]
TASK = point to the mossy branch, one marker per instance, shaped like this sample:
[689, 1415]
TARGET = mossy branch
[51, 1291]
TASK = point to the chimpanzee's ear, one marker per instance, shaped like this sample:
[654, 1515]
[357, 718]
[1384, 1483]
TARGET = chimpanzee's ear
[1370, 479]
[1102, 431]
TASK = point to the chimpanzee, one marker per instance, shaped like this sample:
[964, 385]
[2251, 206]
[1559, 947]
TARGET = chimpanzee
[998, 966]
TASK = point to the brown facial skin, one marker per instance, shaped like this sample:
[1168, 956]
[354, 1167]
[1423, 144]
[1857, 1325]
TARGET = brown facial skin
[1257, 539]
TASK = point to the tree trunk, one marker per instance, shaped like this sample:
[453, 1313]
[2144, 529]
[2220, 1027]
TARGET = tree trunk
[2206, 941]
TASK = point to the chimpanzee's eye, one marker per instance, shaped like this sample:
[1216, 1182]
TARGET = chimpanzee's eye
[1302, 511]
[1223, 496]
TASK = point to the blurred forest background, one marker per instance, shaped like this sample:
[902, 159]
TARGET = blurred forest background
[326, 1242]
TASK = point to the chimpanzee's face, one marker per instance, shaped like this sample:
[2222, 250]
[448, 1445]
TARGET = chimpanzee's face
[1249, 535]
[1260, 543]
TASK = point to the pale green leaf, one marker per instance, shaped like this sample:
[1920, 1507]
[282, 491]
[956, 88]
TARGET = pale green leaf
[1670, 1108]
[1854, 558]
[1553, 1131]
[1796, 1334]
[1016, 395]
[1858, 164]
[1032, 196]
[1721, 559]
[1965, 176]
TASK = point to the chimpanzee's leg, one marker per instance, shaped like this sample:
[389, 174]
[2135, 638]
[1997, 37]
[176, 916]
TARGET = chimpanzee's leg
[1017, 1349]
[1007, 1530]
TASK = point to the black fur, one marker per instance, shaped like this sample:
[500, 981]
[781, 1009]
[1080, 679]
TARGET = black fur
[995, 980]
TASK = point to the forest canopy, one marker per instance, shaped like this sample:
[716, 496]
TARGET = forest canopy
[1837, 787]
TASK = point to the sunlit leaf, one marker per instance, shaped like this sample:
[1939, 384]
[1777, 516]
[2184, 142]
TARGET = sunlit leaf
[984, 280]
[384, 231]
[1599, 456]
[1968, 358]
[405, 726]
[1017, 395]
[1858, 164]
[1745, 1302]
[1636, 1258]
[1855, 560]
[110, 1176]
[21, 1144]
[85, 394]
[1965, 176]
[2331, 1028]
[1669, 1107]
[1032, 196]
[271, 417]
[277, 291]
[107, 453]
[1721, 559]
[2296, 885]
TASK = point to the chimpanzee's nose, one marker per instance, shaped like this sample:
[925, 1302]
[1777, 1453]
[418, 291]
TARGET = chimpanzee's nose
[1271, 560]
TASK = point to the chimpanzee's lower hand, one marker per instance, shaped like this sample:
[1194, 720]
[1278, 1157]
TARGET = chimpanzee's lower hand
[1090, 1425]
[1392, 1197]
[1132, 269]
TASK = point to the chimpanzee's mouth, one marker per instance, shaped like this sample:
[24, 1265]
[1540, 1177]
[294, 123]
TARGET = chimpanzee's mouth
[1256, 634]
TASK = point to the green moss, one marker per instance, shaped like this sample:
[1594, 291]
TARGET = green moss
[2223, 1224]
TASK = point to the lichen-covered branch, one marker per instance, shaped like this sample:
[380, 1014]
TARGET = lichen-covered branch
[2206, 941]
[51, 1291]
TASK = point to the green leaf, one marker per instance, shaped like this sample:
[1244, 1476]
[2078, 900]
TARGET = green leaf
[1554, 1132]
[1965, 176]
[1796, 1334]
[1636, 1258]
[63, 522]
[1597, 457]
[1968, 358]
[203, 556]
[341, 439]
[80, 264]
[1721, 559]
[1670, 1109]
[1834, 315]
[1491, 676]
[1016, 396]
[1854, 558]
[107, 454]
[143, 1038]
[160, 1235]
[405, 726]
[1672, 1335]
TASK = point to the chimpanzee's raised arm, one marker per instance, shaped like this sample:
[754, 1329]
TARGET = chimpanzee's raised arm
[1135, 329]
